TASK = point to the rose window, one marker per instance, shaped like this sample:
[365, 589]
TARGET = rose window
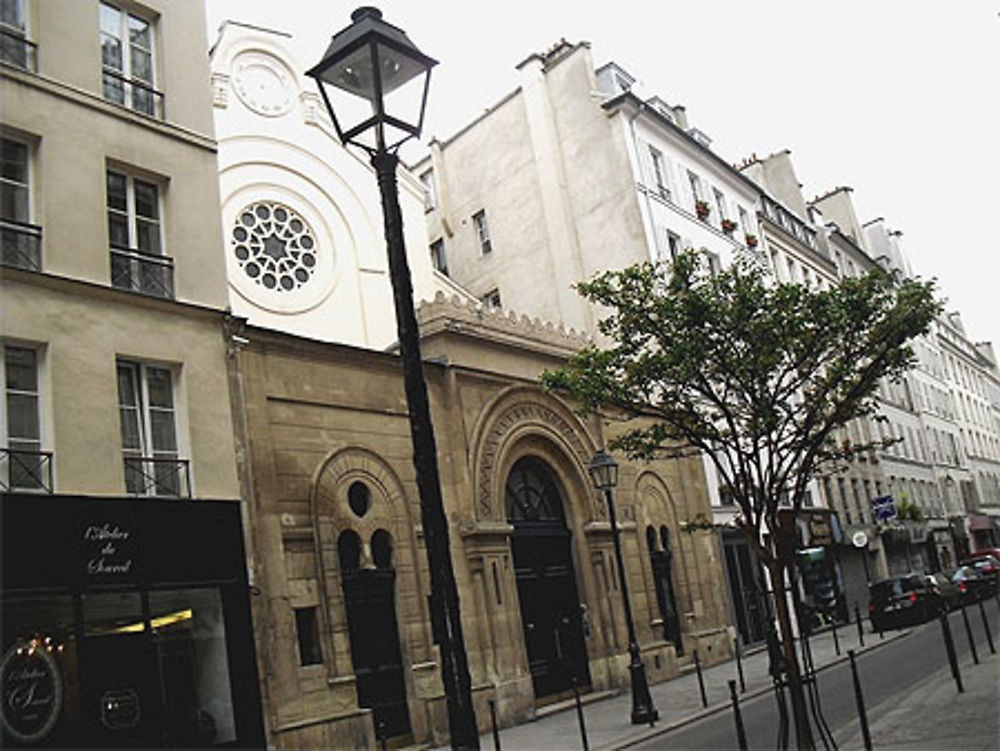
[274, 246]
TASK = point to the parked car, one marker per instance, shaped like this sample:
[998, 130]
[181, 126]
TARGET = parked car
[903, 600]
[945, 588]
[995, 552]
[973, 585]
[986, 564]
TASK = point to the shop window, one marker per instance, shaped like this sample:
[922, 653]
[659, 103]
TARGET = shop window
[127, 61]
[307, 629]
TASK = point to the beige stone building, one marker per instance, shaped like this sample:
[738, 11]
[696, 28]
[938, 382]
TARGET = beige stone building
[117, 466]
[345, 636]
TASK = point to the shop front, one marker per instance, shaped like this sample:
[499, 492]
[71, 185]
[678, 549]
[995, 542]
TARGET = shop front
[126, 623]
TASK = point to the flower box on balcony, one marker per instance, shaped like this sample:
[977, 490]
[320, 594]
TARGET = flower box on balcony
[751, 240]
[728, 226]
[702, 209]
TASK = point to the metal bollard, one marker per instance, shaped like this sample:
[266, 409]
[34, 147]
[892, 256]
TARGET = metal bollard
[741, 736]
[986, 628]
[779, 694]
[701, 680]
[579, 716]
[381, 734]
[836, 641]
[968, 633]
[949, 646]
[861, 626]
[860, 700]
[739, 664]
[496, 730]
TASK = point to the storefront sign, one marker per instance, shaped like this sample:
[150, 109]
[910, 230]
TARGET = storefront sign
[32, 692]
[109, 550]
[120, 709]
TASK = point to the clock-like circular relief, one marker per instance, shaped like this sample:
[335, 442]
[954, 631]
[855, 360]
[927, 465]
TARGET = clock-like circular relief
[263, 84]
[274, 246]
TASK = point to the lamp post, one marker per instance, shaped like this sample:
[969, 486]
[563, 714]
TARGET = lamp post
[604, 473]
[365, 71]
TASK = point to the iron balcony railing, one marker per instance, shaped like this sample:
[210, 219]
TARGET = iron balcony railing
[16, 50]
[20, 245]
[133, 93]
[141, 272]
[25, 470]
[157, 476]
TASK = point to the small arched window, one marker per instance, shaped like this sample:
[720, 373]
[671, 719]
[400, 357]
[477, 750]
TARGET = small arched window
[651, 538]
[349, 550]
[382, 549]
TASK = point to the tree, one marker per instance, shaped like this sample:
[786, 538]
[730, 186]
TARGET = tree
[758, 376]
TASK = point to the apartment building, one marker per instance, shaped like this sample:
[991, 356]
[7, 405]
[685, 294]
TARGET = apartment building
[124, 579]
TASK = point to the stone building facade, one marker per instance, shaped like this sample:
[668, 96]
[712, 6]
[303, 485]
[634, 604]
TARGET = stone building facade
[326, 456]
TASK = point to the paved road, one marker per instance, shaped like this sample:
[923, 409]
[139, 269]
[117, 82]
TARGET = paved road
[886, 676]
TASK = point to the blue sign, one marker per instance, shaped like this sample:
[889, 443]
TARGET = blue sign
[883, 507]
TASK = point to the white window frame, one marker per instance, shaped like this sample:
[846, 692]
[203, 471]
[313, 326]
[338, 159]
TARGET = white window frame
[132, 86]
[148, 482]
[132, 218]
[482, 232]
[31, 444]
[659, 172]
[720, 203]
[492, 299]
[16, 30]
[146, 270]
[17, 185]
[429, 182]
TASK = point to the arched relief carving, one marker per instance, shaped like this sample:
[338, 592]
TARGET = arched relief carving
[515, 414]
[659, 507]
[332, 514]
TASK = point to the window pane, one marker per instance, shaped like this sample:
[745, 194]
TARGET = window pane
[111, 52]
[118, 229]
[127, 392]
[111, 20]
[160, 391]
[13, 202]
[146, 200]
[14, 158]
[12, 13]
[147, 236]
[138, 33]
[114, 89]
[22, 368]
[131, 437]
[22, 416]
[117, 191]
[142, 65]
[164, 437]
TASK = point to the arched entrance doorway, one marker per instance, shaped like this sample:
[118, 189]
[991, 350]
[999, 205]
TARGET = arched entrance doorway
[369, 600]
[546, 582]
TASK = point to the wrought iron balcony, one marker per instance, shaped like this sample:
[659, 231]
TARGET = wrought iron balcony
[132, 93]
[142, 272]
[159, 477]
[16, 50]
[20, 245]
[25, 470]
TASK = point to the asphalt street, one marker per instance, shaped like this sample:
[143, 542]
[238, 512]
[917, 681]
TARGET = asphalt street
[886, 675]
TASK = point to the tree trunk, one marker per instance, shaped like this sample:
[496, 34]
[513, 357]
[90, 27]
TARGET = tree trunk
[800, 712]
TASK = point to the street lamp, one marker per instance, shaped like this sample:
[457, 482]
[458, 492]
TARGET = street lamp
[365, 70]
[604, 473]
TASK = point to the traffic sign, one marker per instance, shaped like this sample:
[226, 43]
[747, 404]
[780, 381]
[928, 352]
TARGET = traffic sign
[883, 507]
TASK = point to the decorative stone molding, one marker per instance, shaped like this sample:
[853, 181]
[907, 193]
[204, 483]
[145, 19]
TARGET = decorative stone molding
[519, 412]
[471, 317]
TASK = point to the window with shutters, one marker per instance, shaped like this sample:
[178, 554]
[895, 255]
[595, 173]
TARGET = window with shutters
[147, 416]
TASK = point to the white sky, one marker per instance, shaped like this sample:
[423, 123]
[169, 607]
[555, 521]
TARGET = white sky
[897, 99]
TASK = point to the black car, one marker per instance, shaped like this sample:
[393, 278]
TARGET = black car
[903, 600]
[973, 585]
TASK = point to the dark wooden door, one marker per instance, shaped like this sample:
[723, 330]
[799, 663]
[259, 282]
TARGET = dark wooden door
[378, 663]
[665, 600]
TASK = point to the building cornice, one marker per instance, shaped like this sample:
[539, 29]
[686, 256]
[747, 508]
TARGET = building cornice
[97, 104]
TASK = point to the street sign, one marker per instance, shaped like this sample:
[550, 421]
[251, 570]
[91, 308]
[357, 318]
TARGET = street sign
[883, 507]
[859, 539]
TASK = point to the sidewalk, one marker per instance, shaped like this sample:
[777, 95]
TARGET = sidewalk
[934, 716]
[678, 701]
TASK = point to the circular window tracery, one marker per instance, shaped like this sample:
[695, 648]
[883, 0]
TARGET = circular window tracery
[274, 246]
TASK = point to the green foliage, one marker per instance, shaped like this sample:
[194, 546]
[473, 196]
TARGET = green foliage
[908, 510]
[758, 375]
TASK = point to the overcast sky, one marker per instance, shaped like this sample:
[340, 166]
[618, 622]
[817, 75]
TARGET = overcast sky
[898, 99]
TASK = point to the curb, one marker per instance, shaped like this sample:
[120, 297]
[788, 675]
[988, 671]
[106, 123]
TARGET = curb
[749, 696]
